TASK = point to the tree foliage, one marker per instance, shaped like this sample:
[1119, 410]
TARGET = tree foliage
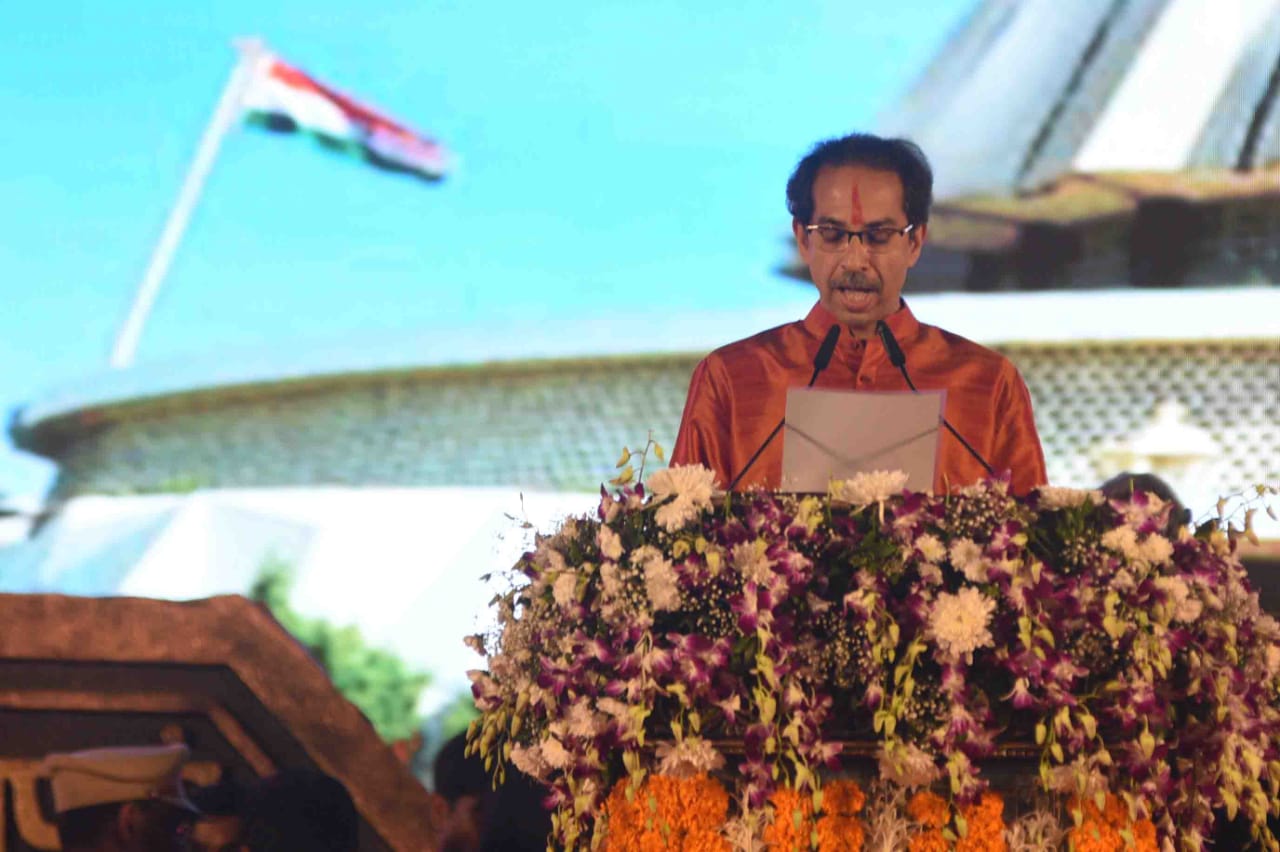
[383, 686]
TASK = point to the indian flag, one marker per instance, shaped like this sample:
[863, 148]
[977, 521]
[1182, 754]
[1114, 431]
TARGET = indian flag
[279, 97]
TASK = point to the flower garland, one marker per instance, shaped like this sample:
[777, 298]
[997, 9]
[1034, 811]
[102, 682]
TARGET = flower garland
[631, 643]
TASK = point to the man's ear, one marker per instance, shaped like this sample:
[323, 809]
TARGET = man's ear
[917, 237]
[802, 238]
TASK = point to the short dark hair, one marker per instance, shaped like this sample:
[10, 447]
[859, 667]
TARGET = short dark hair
[86, 827]
[900, 156]
[301, 809]
[456, 774]
[226, 797]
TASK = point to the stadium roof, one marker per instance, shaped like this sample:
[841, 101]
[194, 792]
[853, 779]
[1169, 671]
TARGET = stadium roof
[1029, 90]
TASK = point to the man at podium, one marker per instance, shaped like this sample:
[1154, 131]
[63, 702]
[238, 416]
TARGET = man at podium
[860, 215]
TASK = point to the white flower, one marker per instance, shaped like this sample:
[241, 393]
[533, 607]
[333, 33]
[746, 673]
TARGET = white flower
[529, 760]
[552, 558]
[1183, 606]
[958, 623]
[1139, 507]
[565, 589]
[750, 561]
[614, 708]
[660, 582]
[1052, 497]
[689, 757]
[610, 543]
[867, 488]
[930, 574]
[610, 579]
[582, 722]
[930, 547]
[691, 482]
[1156, 549]
[676, 514]
[684, 491]
[1123, 540]
[908, 766]
[967, 557]
[554, 753]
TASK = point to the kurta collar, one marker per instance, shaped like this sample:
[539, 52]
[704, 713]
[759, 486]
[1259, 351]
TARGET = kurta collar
[901, 322]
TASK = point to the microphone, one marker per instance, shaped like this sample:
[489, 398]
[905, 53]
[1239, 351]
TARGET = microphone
[820, 362]
[899, 360]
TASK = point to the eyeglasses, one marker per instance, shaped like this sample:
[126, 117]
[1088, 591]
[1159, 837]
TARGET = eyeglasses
[835, 238]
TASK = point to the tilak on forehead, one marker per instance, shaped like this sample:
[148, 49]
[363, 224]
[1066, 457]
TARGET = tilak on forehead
[855, 206]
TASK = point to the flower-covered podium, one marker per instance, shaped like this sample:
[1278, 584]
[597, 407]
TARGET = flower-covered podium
[689, 670]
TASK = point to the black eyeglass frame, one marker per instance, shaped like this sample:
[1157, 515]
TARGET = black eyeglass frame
[861, 235]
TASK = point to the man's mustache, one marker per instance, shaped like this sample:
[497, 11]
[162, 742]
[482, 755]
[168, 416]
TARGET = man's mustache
[854, 282]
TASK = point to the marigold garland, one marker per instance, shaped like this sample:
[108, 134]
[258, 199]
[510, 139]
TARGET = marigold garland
[1100, 830]
[667, 813]
[984, 823]
[792, 822]
[837, 828]
[929, 809]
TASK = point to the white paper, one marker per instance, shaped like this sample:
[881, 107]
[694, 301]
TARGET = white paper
[837, 434]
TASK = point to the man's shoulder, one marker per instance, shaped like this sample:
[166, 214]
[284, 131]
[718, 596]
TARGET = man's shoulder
[761, 344]
[956, 346]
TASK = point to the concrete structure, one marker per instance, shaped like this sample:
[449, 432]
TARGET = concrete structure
[219, 675]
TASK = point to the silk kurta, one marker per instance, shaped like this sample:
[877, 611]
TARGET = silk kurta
[738, 394]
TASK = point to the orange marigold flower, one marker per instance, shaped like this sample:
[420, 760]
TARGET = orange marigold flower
[667, 812]
[1144, 836]
[1116, 811]
[792, 822]
[929, 809]
[1095, 836]
[843, 797]
[840, 834]
[985, 825]
[928, 841]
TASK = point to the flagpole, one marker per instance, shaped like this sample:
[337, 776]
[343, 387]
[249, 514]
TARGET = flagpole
[225, 115]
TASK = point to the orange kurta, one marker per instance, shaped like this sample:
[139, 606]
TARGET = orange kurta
[738, 394]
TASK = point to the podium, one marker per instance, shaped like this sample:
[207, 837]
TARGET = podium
[930, 633]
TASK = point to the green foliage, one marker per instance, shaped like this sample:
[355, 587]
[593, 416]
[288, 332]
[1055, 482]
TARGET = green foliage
[378, 682]
[456, 716]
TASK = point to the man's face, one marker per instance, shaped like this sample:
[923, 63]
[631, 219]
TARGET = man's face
[859, 286]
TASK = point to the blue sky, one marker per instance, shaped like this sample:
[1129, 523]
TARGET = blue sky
[613, 155]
